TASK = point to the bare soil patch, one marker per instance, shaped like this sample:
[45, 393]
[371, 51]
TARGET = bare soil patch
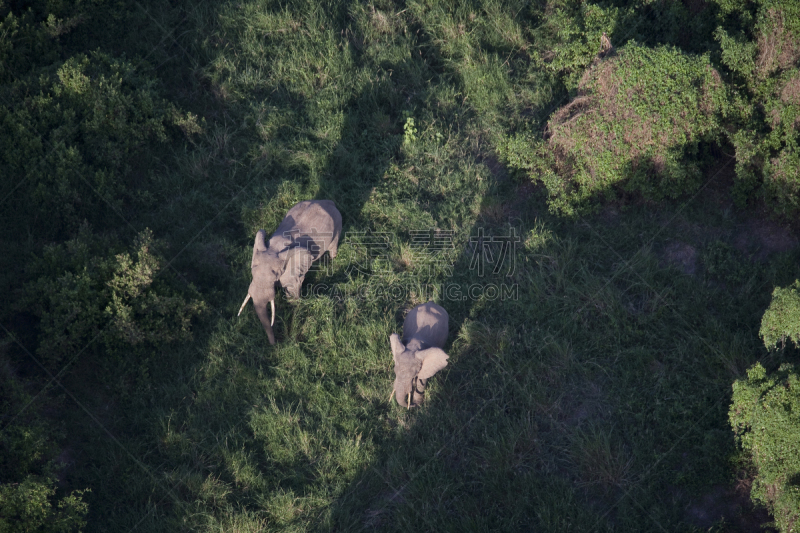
[730, 504]
[763, 237]
[681, 256]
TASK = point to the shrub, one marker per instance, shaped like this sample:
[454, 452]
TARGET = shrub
[69, 139]
[616, 134]
[27, 448]
[762, 54]
[575, 29]
[638, 122]
[25, 445]
[725, 263]
[781, 321]
[765, 417]
[24, 42]
[143, 309]
[83, 290]
[578, 27]
[27, 506]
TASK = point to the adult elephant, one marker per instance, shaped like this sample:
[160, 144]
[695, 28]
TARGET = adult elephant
[309, 229]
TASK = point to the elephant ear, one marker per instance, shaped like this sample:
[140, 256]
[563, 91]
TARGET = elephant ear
[298, 262]
[397, 345]
[433, 360]
[259, 246]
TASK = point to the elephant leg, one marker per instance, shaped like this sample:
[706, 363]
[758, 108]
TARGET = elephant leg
[333, 248]
[419, 391]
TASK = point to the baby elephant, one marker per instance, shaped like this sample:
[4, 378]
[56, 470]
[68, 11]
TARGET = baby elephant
[425, 331]
[309, 229]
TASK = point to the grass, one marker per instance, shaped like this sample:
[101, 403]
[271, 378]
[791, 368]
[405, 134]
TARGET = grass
[596, 400]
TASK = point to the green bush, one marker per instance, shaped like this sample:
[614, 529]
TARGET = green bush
[79, 131]
[725, 263]
[765, 417]
[25, 444]
[578, 27]
[87, 290]
[760, 46]
[69, 140]
[781, 321]
[638, 122]
[38, 34]
[27, 469]
[27, 507]
[24, 42]
[616, 135]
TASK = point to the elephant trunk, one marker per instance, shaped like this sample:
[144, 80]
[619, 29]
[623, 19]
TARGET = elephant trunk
[261, 311]
[403, 393]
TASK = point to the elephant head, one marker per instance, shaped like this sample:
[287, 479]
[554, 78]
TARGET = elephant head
[269, 266]
[412, 369]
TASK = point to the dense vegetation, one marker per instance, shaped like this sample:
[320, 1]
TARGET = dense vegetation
[640, 157]
[764, 417]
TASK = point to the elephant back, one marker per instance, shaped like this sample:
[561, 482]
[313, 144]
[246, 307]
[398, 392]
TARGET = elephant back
[313, 224]
[426, 326]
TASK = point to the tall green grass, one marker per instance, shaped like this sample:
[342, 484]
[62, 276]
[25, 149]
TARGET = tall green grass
[596, 400]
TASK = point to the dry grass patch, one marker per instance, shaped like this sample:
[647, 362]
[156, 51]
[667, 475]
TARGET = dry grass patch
[778, 48]
[790, 93]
